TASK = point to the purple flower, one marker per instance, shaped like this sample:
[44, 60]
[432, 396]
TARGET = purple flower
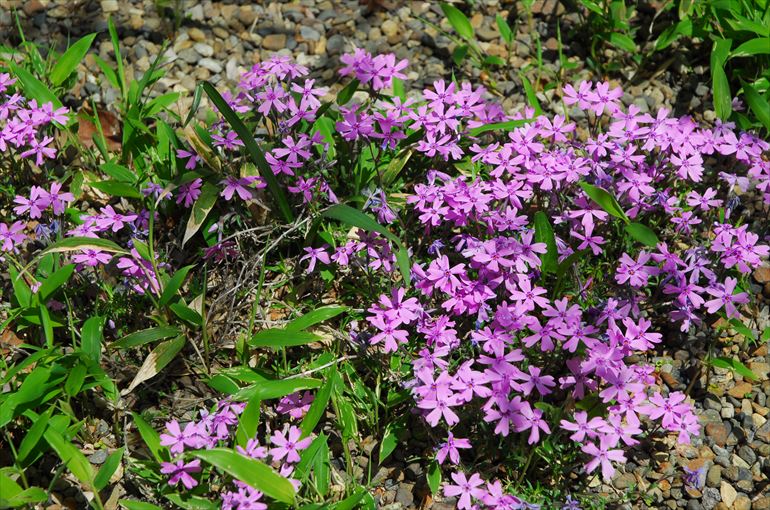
[288, 446]
[179, 471]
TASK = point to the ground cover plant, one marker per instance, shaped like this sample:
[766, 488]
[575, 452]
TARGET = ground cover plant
[382, 263]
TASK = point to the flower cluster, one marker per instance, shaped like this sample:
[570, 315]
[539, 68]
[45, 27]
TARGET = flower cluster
[216, 429]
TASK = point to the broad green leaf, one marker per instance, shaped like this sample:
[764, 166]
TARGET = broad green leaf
[121, 75]
[458, 20]
[190, 502]
[173, 285]
[91, 337]
[390, 439]
[133, 504]
[320, 402]
[505, 29]
[253, 149]
[70, 244]
[758, 104]
[102, 478]
[734, 365]
[33, 436]
[195, 103]
[200, 209]
[34, 88]
[74, 459]
[642, 233]
[51, 284]
[434, 476]
[186, 313]
[459, 54]
[117, 189]
[720, 86]
[117, 172]
[350, 502]
[13, 496]
[145, 336]
[544, 234]
[674, 32]
[743, 329]
[398, 88]
[266, 390]
[529, 91]
[151, 438]
[756, 46]
[346, 416]
[248, 422]
[250, 471]
[75, 379]
[605, 200]
[623, 42]
[30, 390]
[356, 218]
[500, 126]
[223, 384]
[317, 316]
[346, 94]
[157, 360]
[404, 266]
[68, 62]
[282, 338]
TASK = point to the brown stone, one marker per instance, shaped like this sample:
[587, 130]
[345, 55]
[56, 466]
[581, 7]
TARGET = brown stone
[762, 503]
[740, 389]
[762, 274]
[274, 42]
[717, 432]
[32, 7]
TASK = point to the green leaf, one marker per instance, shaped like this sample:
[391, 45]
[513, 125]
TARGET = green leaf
[282, 338]
[254, 151]
[189, 502]
[33, 436]
[223, 384]
[34, 88]
[117, 189]
[320, 402]
[605, 200]
[734, 365]
[398, 88]
[623, 42]
[186, 313]
[51, 284]
[544, 234]
[145, 336]
[642, 233]
[674, 32]
[758, 104]
[756, 46]
[74, 459]
[68, 62]
[121, 75]
[250, 471]
[350, 502]
[505, 29]
[157, 360]
[133, 504]
[317, 316]
[22, 497]
[458, 20]
[75, 379]
[82, 243]
[529, 90]
[743, 329]
[459, 54]
[102, 478]
[151, 438]
[200, 209]
[248, 422]
[720, 86]
[91, 337]
[195, 103]
[108, 72]
[434, 477]
[30, 390]
[390, 439]
[500, 126]
[173, 285]
[266, 390]
[356, 218]
[346, 94]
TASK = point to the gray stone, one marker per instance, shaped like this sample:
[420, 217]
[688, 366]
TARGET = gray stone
[405, 494]
[710, 498]
[210, 64]
[335, 44]
[204, 50]
[98, 457]
[310, 34]
[714, 476]
[747, 453]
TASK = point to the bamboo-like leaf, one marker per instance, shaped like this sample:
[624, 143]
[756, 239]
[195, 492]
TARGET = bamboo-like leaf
[250, 471]
[157, 360]
[68, 62]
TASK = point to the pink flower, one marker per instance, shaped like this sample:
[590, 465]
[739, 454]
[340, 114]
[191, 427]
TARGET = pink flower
[37, 202]
[290, 446]
[603, 455]
[313, 255]
[466, 488]
[450, 448]
[189, 192]
[240, 186]
[179, 471]
[40, 150]
[92, 258]
[12, 236]
[724, 298]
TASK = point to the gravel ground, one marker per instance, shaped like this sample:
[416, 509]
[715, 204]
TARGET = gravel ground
[217, 41]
